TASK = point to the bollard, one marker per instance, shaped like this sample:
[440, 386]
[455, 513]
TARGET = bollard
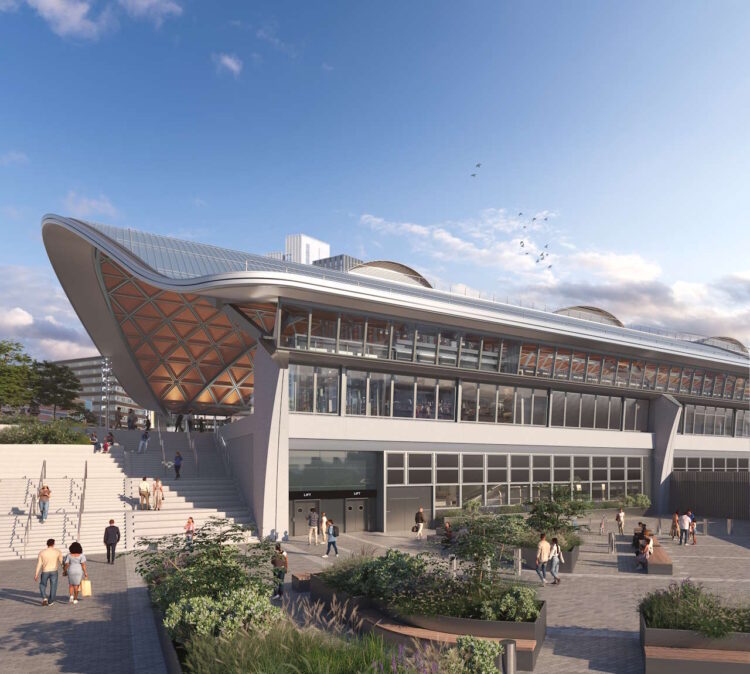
[705, 527]
[517, 561]
[658, 527]
[507, 660]
[454, 564]
[611, 543]
[729, 526]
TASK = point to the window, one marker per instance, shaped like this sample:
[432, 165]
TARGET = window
[510, 357]
[490, 354]
[403, 396]
[519, 468]
[469, 352]
[609, 365]
[539, 417]
[541, 468]
[578, 366]
[356, 392]
[572, 410]
[700, 418]
[301, 388]
[323, 331]
[523, 406]
[446, 496]
[729, 386]
[403, 342]
[558, 408]
[636, 373]
[739, 388]
[327, 395]
[505, 397]
[629, 414]
[588, 402]
[447, 468]
[420, 468]
[662, 376]
[378, 337]
[617, 468]
[497, 468]
[562, 469]
[473, 468]
[472, 494]
[615, 413]
[448, 348]
[546, 361]
[426, 388]
[447, 399]
[379, 401]
[680, 463]
[593, 369]
[294, 324]
[487, 402]
[708, 384]
[562, 364]
[602, 412]
[719, 385]
[469, 401]
[623, 373]
[686, 379]
[519, 494]
[497, 494]
[697, 386]
[674, 380]
[649, 376]
[581, 470]
[395, 467]
[599, 468]
[352, 337]
[641, 415]
[528, 359]
[426, 345]
[689, 414]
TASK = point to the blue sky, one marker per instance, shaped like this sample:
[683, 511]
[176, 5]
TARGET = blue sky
[625, 124]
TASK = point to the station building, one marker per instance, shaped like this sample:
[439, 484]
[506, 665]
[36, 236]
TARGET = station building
[367, 393]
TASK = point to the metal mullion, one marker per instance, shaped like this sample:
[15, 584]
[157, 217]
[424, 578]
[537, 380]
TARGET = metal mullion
[479, 355]
[414, 399]
[367, 394]
[437, 348]
[414, 348]
[390, 342]
[437, 398]
[342, 391]
[601, 369]
[497, 398]
[459, 348]
[315, 390]
[338, 331]
[500, 351]
[554, 363]
[309, 328]
[630, 373]
[390, 407]
[364, 344]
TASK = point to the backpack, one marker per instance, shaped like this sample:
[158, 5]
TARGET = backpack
[335, 531]
[617, 519]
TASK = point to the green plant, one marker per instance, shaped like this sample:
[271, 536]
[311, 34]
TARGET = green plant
[35, 433]
[554, 517]
[689, 606]
[519, 604]
[479, 655]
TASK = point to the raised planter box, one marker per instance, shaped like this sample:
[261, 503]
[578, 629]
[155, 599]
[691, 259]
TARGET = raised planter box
[320, 591]
[301, 582]
[568, 566]
[696, 659]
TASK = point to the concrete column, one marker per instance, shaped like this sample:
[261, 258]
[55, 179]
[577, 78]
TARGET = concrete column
[664, 417]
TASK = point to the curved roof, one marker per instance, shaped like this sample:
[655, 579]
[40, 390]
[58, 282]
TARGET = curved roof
[590, 314]
[729, 343]
[391, 271]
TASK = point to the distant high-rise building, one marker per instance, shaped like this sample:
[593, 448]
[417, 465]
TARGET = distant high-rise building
[304, 249]
[338, 262]
[276, 255]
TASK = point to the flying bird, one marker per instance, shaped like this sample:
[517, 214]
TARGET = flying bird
[549, 267]
[519, 214]
[478, 165]
[473, 175]
[522, 244]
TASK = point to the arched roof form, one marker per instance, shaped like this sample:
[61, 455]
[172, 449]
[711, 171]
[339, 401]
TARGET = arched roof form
[590, 314]
[727, 343]
[391, 271]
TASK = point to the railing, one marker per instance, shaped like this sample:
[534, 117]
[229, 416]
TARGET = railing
[221, 446]
[29, 520]
[191, 444]
[161, 445]
[42, 476]
[83, 499]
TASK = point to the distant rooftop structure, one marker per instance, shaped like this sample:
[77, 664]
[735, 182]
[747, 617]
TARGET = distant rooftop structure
[305, 249]
[338, 262]
[591, 314]
[391, 271]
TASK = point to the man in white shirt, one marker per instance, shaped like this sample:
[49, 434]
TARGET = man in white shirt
[684, 527]
[542, 557]
[144, 491]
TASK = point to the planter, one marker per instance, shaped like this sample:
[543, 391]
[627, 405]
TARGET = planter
[694, 661]
[568, 566]
[301, 582]
[325, 594]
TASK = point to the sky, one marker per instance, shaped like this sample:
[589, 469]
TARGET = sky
[615, 134]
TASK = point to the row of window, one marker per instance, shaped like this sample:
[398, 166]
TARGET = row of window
[707, 420]
[376, 394]
[372, 337]
[707, 463]
[498, 479]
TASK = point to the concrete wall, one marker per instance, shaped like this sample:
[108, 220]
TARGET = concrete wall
[664, 418]
[259, 449]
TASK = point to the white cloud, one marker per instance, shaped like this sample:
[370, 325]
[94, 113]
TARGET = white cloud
[9, 5]
[269, 33]
[617, 267]
[80, 206]
[327, 67]
[10, 319]
[153, 10]
[199, 203]
[73, 18]
[13, 157]
[228, 62]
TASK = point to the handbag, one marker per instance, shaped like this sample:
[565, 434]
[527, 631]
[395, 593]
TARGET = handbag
[415, 528]
[85, 587]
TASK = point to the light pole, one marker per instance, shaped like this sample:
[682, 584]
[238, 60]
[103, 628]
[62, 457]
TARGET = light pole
[106, 390]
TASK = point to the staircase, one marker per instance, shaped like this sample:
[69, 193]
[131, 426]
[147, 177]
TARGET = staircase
[204, 490]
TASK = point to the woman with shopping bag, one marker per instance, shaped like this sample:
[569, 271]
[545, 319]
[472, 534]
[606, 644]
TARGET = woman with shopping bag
[74, 567]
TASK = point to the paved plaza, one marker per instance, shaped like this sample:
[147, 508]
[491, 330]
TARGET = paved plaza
[592, 620]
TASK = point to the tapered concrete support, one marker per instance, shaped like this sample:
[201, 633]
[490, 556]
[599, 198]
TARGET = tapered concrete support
[664, 418]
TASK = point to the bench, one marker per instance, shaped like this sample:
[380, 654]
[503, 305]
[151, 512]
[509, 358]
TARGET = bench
[659, 563]
[399, 634]
[665, 660]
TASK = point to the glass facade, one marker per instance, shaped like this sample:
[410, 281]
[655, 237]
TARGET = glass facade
[710, 420]
[707, 463]
[377, 337]
[502, 479]
[332, 470]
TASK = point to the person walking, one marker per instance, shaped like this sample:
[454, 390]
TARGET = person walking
[143, 444]
[312, 526]
[43, 497]
[75, 568]
[333, 534]
[542, 557]
[158, 491]
[280, 564]
[111, 539]
[620, 519]
[189, 532]
[47, 563]
[555, 558]
[118, 418]
[147, 423]
[178, 423]
[324, 527]
[419, 522]
[177, 465]
[144, 491]
[691, 531]
[132, 420]
[95, 442]
[684, 527]
[675, 529]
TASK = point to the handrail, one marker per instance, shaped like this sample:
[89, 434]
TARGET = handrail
[42, 476]
[29, 520]
[191, 444]
[83, 499]
[161, 445]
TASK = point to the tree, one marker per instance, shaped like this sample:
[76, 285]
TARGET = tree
[56, 385]
[555, 517]
[16, 375]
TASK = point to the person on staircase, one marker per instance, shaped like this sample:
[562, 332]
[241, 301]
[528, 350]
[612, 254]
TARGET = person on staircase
[43, 496]
[143, 444]
[158, 492]
[132, 420]
[177, 465]
[111, 539]
[144, 491]
[118, 418]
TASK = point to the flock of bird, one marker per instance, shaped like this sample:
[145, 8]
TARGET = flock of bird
[544, 254]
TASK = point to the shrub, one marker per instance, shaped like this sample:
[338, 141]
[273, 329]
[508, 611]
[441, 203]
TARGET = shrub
[554, 517]
[36, 433]
[479, 655]
[209, 616]
[689, 606]
[519, 604]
